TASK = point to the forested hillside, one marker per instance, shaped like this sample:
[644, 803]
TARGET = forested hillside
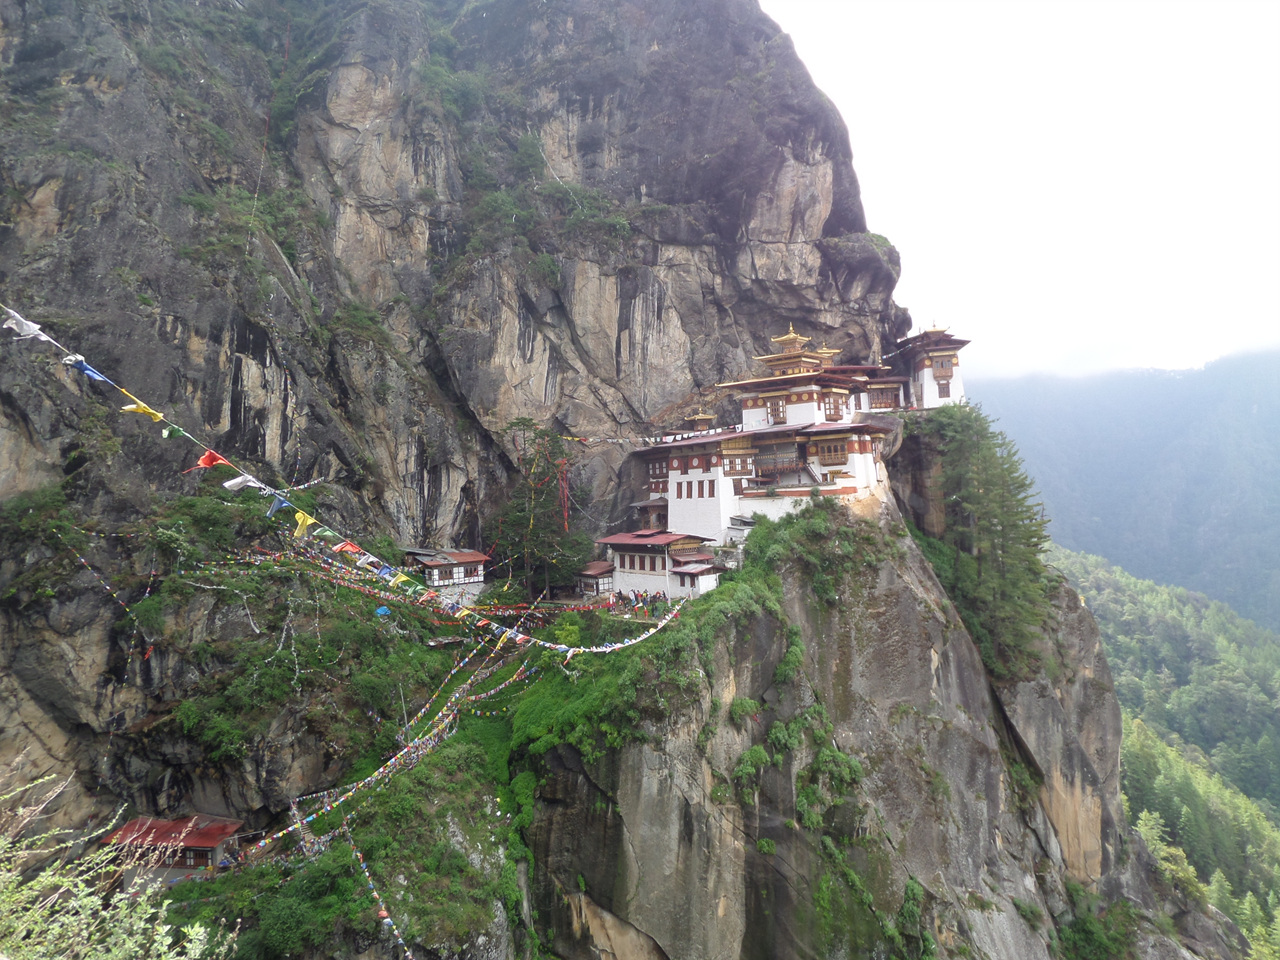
[1201, 756]
[1170, 474]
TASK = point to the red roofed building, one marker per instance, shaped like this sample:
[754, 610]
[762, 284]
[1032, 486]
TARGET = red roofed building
[659, 561]
[179, 846]
[457, 575]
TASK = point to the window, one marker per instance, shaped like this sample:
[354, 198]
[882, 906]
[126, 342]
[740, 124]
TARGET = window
[884, 399]
[832, 406]
[631, 561]
[688, 489]
[942, 367]
[446, 573]
[833, 453]
[777, 407]
[737, 488]
[702, 489]
[679, 490]
[189, 857]
[681, 576]
[944, 389]
[711, 488]
[653, 564]
[664, 562]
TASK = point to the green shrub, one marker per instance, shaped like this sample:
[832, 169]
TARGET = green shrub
[741, 709]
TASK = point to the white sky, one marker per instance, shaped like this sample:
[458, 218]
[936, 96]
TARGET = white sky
[1075, 186]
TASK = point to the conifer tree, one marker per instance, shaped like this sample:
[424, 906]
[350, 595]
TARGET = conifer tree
[997, 531]
[531, 534]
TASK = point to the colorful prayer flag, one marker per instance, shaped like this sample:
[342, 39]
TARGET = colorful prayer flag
[398, 579]
[76, 362]
[346, 546]
[276, 504]
[139, 407]
[171, 431]
[210, 459]
[304, 521]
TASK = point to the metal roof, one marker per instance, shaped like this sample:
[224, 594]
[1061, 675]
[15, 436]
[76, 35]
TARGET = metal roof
[648, 538]
[202, 831]
[597, 568]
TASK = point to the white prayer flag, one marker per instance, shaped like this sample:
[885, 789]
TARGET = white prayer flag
[244, 480]
[24, 329]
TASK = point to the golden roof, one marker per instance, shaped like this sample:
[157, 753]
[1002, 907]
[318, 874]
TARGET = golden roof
[791, 342]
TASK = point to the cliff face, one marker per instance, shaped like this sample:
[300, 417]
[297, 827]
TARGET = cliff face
[309, 303]
[992, 799]
[352, 241]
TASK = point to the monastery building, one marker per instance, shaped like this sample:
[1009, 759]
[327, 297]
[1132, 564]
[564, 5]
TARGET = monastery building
[807, 425]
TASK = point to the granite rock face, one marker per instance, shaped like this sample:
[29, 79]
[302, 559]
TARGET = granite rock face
[289, 230]
[655, 839]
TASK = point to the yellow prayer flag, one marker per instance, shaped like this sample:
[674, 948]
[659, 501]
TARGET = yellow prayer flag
[139, 407]
[398, 578]
[304, 521]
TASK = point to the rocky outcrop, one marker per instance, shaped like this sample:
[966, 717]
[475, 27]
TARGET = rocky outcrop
[659, 837]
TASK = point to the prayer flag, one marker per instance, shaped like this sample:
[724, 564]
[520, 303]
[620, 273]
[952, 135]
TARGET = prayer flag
[398, 579]
[76, 362]
[24, 329]
[304, 521]
[385, 571]
[346, 546]
[210, 459]
[171, 431]
[367, 559]
[326, 534]
[139, 407]
[276, 504]
[242, 481]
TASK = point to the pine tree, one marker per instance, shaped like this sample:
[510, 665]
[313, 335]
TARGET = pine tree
[995, 527]
[531, 534]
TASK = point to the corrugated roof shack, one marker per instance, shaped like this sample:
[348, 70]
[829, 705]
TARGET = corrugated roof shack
[173, 849]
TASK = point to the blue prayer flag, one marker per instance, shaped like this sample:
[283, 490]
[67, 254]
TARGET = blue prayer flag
[89, 372]
[276, 504]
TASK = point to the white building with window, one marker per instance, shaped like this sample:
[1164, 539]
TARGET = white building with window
[457, 575]
[934, 361]
[659, 561]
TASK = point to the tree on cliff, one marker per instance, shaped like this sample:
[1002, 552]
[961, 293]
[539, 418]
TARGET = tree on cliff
[996, 532]
[530, 534]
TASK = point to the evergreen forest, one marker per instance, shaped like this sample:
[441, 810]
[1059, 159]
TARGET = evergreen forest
[1199, 687]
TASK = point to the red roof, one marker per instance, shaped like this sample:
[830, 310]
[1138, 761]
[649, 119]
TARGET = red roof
[202, 831]
[456, 557]
[597, 568]
[642, 538]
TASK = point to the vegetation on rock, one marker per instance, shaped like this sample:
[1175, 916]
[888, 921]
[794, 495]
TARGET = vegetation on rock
[990, 559]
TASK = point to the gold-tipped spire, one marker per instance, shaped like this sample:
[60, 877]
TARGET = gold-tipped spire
[791, 342]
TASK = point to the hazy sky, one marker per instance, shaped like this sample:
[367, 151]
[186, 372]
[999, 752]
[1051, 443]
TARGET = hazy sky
[1075, 186]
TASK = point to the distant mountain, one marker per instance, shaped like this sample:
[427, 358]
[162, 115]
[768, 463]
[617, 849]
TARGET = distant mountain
[1173, 475]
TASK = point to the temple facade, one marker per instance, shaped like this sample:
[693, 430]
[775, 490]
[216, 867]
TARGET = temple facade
[807, 427]
[934, 361]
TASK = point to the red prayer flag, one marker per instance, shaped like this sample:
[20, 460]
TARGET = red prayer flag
[346, 546]
[210, 459]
